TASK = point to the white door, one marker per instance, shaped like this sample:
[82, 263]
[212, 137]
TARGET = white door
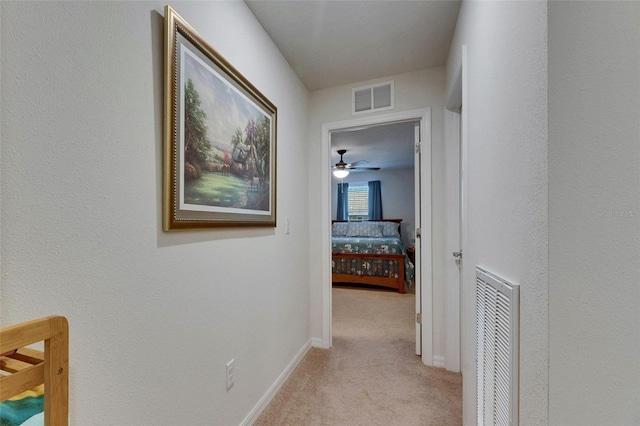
[418, 239]
[424, 287]
[453, 240]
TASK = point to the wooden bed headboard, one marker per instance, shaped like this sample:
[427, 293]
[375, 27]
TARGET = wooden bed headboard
[29, 367]
[398, 221]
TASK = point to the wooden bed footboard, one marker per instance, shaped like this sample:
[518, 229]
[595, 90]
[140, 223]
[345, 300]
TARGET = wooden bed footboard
[29, 368]
[385, 270]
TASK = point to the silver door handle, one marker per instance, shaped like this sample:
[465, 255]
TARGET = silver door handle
[457, 254]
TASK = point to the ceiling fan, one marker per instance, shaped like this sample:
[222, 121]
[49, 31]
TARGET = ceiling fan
[342, 169]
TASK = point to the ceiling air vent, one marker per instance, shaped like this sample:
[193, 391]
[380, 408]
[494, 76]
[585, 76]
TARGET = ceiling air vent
[376, 97]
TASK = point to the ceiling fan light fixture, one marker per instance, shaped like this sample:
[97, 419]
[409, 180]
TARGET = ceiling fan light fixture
[341, 173]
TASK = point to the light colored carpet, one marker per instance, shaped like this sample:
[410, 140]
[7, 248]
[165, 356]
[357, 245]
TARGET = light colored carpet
[371, 376]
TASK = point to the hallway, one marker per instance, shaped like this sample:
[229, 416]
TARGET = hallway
[371, 375]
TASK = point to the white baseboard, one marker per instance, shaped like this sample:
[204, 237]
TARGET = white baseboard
[275, 387]
[317, 342]
[438, 361]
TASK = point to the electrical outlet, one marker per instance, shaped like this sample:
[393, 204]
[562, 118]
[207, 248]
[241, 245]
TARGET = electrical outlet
[231, 365]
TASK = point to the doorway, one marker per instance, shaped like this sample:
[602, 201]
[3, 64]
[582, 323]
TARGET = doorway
[424, 259]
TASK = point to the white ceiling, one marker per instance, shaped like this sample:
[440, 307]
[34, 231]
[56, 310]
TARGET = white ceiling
[388, 146]
[333, 43]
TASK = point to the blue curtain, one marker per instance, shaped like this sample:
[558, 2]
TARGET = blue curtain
[375, 200]
[343, 202]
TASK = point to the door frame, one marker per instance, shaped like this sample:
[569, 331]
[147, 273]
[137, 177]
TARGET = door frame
[417, 214]
[422, 115]
[457, 100]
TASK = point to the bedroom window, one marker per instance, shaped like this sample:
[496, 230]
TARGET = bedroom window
[358, 201]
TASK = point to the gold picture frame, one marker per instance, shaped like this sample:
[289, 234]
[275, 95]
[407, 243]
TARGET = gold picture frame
[219, 138]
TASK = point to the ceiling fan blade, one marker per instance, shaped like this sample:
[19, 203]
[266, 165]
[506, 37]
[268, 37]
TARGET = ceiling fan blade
[364, 168]
[342, 165]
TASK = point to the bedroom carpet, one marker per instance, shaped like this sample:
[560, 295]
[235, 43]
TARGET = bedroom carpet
[371, 376]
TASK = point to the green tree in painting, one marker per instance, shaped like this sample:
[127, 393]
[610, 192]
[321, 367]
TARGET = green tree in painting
[257, 139]
[263, 134]
[196, 142]
[250, 140]
[236, 139]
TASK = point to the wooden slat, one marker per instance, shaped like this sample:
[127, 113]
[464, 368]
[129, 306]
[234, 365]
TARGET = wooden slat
[29, 355]
[21, 381]
[12, 365]
[20, 360]
[19, 335]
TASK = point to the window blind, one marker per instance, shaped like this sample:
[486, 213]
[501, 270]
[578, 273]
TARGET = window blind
[359, 200]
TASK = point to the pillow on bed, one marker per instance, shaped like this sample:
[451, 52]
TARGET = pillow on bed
[390, 229]
[339, 229]
[364, 229]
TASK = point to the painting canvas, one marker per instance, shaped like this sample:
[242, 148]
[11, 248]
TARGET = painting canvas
[220, 139]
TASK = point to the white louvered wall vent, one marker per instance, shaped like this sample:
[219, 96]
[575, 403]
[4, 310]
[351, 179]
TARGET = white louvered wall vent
[497, 350]
[376, 97]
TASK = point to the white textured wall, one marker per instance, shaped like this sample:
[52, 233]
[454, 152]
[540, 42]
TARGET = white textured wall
[420, 89]
[506, 192]
[154, 317]
[398, 198]
[594, 213]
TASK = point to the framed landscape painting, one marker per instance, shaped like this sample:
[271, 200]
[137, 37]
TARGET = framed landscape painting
[219, 139]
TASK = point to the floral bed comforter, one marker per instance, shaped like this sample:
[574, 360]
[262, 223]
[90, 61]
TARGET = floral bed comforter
[373, 245]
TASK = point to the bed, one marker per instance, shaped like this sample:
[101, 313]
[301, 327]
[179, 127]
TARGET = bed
[370, 252]
[34, 384]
